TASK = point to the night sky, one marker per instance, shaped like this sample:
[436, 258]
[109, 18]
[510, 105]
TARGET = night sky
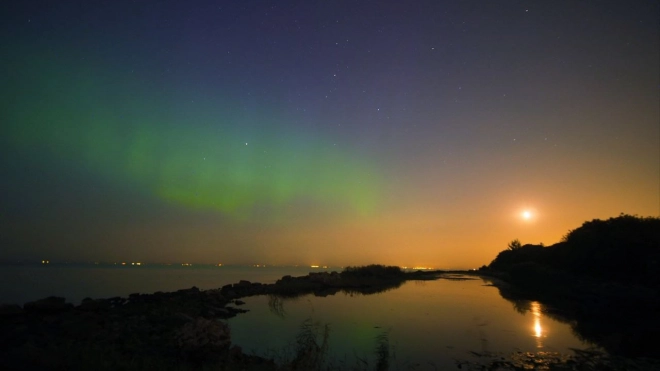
[414, 133]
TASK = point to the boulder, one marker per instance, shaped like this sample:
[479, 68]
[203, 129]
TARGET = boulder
[49, 305]
[226, 287]
[221, 312]
[134, 297]
[215, 298]
[116, 301]
[184, 317]
[203, 338]
[243, 283]
[91, 305]
[10, 310]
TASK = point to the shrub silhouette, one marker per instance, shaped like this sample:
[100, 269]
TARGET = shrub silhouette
[603, 277]
[373, 270]
[515, 244]
[508, 258]
[624, 249]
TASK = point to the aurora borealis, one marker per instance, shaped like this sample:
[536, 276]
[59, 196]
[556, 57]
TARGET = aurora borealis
[339, 133]
[208, 161]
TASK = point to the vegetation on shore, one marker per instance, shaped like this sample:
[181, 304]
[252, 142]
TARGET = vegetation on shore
[368, 279]
[373, 270]
[603, 277]
[625, 249]
[170, 331]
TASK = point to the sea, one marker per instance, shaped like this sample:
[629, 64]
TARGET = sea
[425, 325]
[20, 283]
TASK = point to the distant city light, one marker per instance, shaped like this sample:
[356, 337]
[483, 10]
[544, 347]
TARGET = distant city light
[417, 268]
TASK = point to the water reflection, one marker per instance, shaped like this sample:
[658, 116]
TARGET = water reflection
[276, 305]
[602, 319]
[535, 308]
[434, 322]
[538, 330]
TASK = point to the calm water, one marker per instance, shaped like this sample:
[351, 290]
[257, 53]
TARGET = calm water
[19, 284]
[428, 322]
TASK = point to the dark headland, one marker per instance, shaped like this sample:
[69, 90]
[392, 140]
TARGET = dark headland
[603, 279]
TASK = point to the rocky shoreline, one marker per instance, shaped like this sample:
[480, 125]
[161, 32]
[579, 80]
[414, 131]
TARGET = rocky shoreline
[167, 330]
[187, 329]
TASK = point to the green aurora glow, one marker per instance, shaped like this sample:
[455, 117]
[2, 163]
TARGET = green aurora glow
[203, 156]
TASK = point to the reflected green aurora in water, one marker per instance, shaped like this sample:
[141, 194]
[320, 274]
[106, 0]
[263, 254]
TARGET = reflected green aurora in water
[430, 324]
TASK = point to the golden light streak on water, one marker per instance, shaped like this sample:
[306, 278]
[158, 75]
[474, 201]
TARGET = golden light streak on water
[538, 329]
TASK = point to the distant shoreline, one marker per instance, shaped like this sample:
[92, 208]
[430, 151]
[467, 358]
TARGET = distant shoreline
[182, 323]
[181, 329]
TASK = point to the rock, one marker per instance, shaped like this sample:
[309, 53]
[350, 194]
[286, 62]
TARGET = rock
[236, 351]
[226, 287]
[239, 302]
[91, 305]
[184, 317]
[188, 292]
[231, 294]
[216, 299]
[222, 311]
[49, 305]
[10, 310]
[243, 283]
[203, 338]
[235, 311]
[116, 301]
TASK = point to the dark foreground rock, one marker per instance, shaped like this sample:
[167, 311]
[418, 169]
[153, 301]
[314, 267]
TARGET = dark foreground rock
[181, 327]
[49, 305]
[184, 329]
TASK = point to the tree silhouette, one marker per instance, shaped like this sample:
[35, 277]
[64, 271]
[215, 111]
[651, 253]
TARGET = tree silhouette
[515, 244]
[625, 249]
